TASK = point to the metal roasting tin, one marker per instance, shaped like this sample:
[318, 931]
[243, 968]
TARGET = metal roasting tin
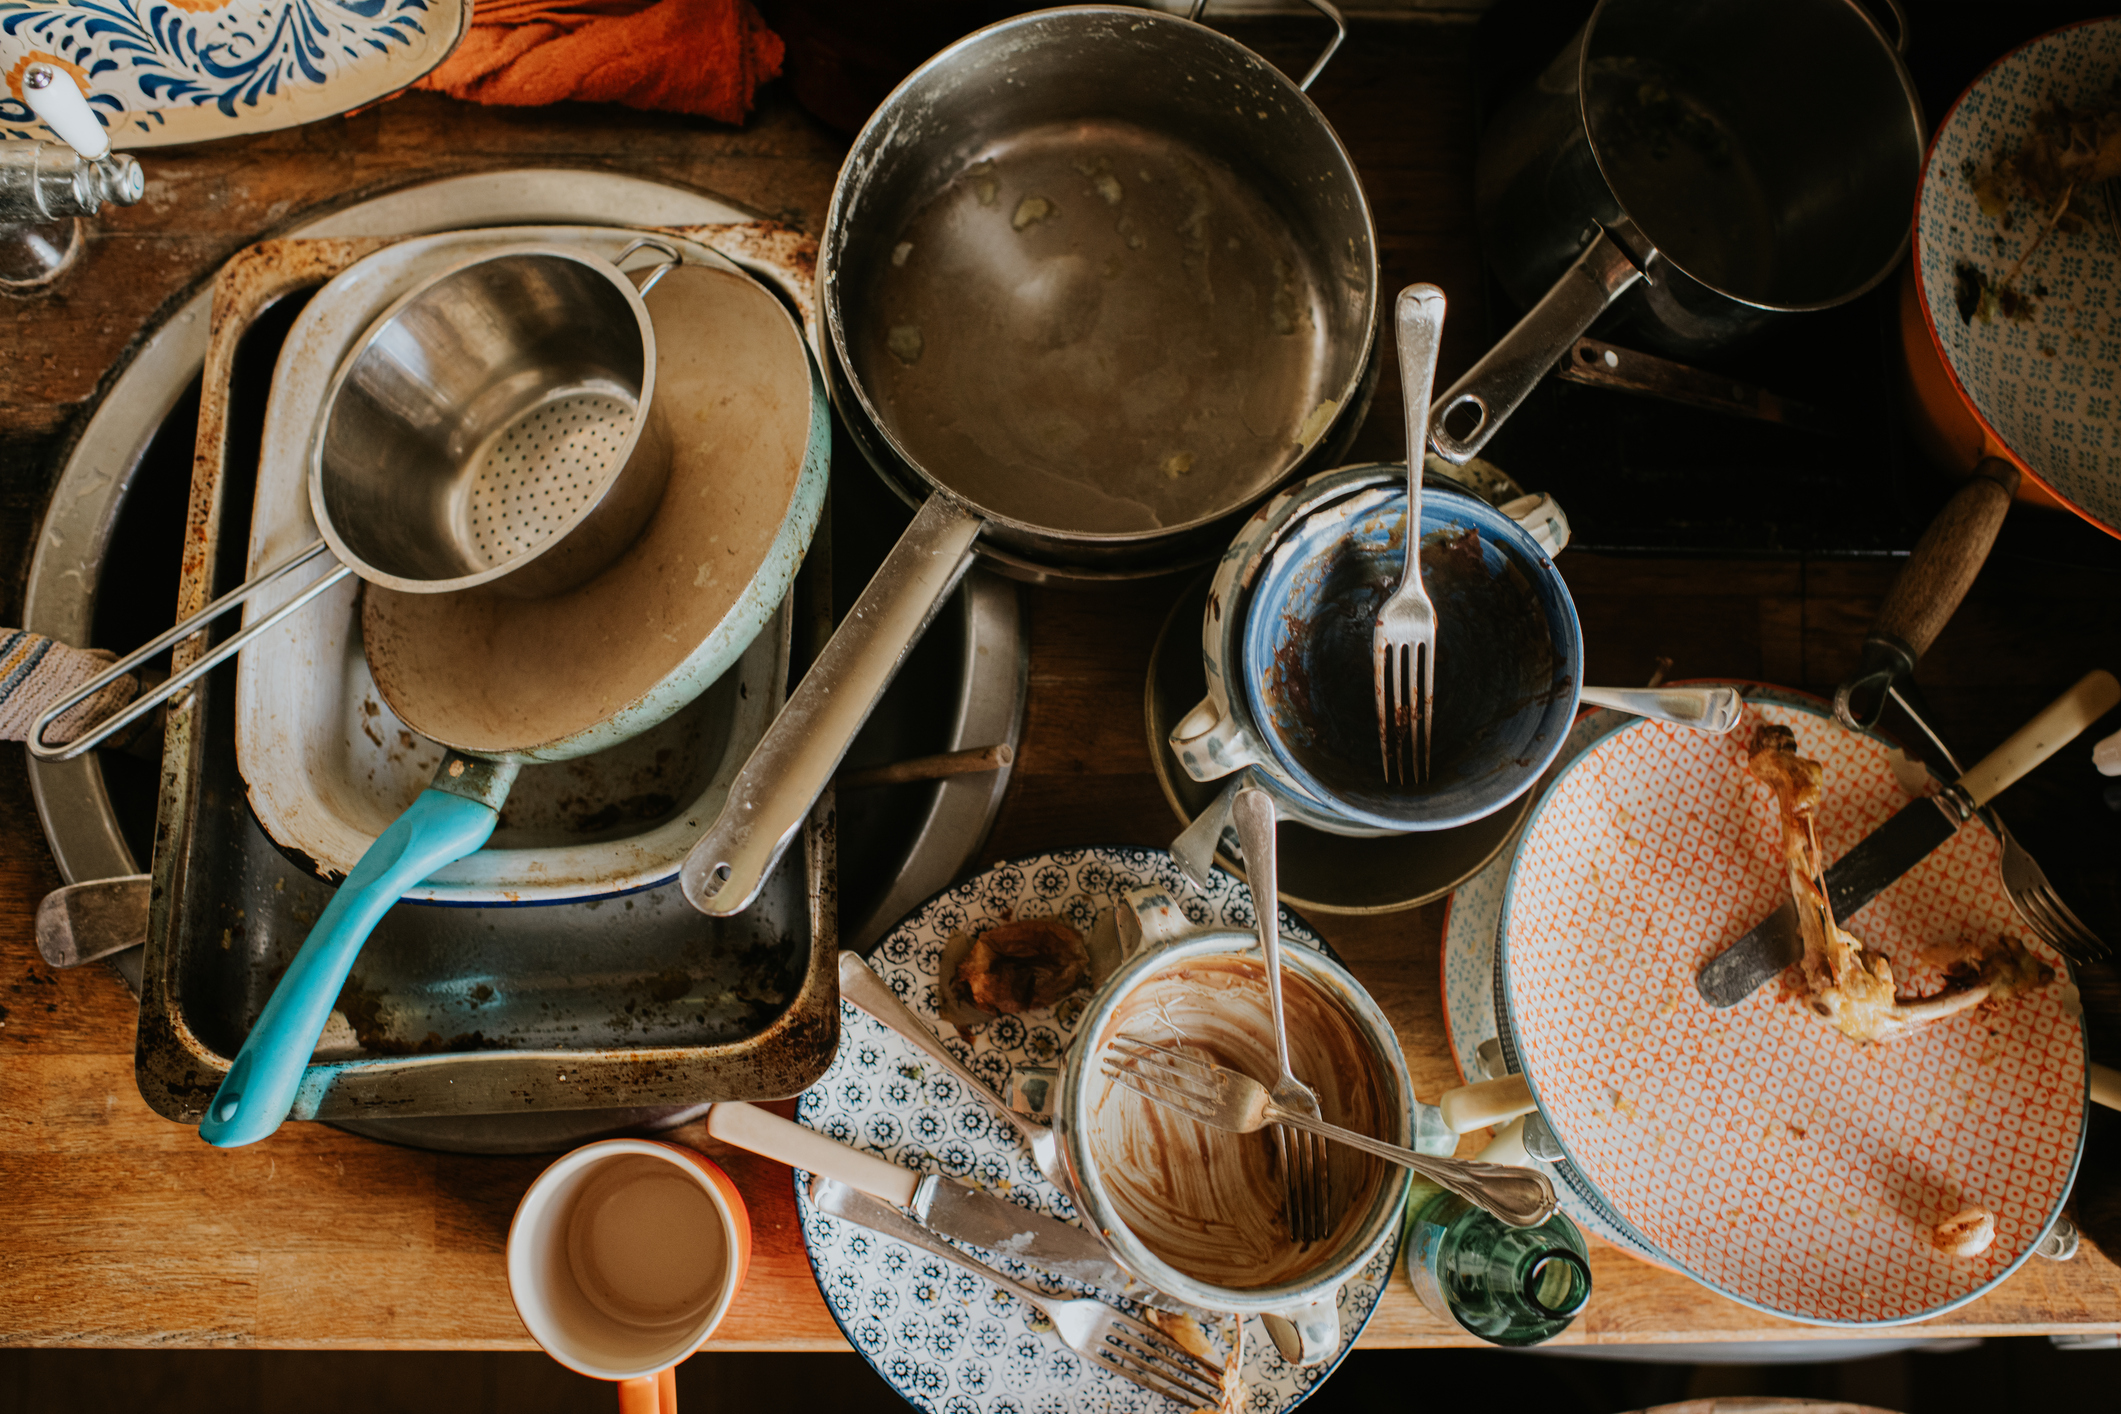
[632, 1002]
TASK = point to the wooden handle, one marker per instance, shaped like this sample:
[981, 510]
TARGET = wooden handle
[1507, 1147]
[1486, 1102]
[763, 1132]
[1947, 557]
[2092, 698]
[2106, 1086]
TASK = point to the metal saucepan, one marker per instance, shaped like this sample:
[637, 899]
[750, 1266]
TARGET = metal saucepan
[1717, 164]
[744, 404]
[1100, 277]
[495, 427]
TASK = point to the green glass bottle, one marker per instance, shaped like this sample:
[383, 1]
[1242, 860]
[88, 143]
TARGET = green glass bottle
[1507, 1285]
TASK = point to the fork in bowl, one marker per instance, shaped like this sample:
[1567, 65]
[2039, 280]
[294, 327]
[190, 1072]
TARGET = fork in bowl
[1306, 1174]
[1403, 645]
[1222, 1098]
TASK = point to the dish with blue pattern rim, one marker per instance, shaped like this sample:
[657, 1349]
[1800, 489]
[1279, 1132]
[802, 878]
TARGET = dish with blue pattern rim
[157, 74]
[2041, 376]
[947, 1341]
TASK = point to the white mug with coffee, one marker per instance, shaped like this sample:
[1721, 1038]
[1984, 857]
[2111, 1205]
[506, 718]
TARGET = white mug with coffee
[623, 1257]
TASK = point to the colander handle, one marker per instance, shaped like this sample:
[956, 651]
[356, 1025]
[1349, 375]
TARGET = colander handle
[672, 259]
[177, 682]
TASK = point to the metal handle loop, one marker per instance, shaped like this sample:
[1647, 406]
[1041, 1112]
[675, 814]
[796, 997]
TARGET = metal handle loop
[1340, 35]
[177, 682]
[672, 259]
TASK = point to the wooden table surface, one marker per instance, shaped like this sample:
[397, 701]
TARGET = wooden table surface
[123, 1229]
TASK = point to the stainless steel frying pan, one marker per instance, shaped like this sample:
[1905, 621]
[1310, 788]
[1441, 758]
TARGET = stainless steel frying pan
[1099, 277]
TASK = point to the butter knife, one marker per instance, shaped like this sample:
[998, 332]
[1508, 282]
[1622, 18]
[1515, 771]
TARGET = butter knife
[944, 1206]
[1904, 841]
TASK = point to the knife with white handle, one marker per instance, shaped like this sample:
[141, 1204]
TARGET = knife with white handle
[860, 985]
[949, 1208]
[1905, 840]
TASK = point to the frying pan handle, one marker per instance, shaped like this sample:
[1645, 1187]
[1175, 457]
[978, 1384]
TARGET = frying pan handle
[439, 828]
[199, 667]
[797, 757]
[1318, 65]
[1928, 589]
[1506, 375]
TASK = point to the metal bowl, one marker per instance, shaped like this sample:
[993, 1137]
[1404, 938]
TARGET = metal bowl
[494, 427]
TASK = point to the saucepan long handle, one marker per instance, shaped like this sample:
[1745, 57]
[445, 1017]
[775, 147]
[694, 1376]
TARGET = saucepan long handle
[440, 827]
[797, 757]
[1496, 386]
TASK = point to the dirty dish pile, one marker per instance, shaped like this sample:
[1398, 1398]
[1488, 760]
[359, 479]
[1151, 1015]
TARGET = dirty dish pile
[473, 674]
[1653, 850]
[326, 758]
[882, 1094]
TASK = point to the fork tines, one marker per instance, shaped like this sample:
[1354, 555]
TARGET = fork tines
[1157, 1363]
[1405, 709]
[2060, 924]
[1156, 1072]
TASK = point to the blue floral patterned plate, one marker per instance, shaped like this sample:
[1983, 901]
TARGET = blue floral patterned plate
[160, 72]
[947, 1341]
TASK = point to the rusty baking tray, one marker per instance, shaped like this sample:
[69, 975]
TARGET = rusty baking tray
[632, 1001]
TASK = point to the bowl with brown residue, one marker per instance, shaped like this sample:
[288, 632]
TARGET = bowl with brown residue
[1286, 644]
[1197, 1212]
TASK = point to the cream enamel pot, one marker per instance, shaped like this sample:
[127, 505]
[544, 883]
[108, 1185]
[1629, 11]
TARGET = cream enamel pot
[1221, 1190]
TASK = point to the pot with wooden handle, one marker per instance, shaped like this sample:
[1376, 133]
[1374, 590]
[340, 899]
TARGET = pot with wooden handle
[1928, 590]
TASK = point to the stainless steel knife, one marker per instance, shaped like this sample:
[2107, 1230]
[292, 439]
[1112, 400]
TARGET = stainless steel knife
[943, 1205]
[1904, 841]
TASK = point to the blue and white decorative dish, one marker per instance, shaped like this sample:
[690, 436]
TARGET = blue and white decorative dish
[162, 72]
[2042, 381]
[947, 1341]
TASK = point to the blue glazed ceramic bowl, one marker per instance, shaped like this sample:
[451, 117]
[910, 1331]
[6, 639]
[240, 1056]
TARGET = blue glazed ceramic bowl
[1509, 655]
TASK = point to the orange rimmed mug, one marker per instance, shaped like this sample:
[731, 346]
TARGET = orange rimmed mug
[623, 1258]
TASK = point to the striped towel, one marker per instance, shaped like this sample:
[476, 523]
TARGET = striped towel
[35, 672]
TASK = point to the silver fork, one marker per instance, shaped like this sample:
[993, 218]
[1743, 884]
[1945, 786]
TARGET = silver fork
[1306, 1175]
[2023, 879]
[1403, 645]
[1091, 1329]
[2041, 907]
[1225, 1099]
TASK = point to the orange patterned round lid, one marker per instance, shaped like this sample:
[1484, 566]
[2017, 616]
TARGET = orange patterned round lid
[1767, 1154]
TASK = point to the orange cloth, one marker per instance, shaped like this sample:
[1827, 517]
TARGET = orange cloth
[705, 57]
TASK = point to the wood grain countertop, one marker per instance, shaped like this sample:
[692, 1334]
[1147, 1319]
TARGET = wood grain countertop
[120, 1228]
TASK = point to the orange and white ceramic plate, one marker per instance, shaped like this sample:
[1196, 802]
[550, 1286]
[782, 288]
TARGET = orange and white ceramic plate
[1762, 1151]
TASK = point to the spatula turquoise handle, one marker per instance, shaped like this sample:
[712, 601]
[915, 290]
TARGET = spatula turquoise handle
[438, 829]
